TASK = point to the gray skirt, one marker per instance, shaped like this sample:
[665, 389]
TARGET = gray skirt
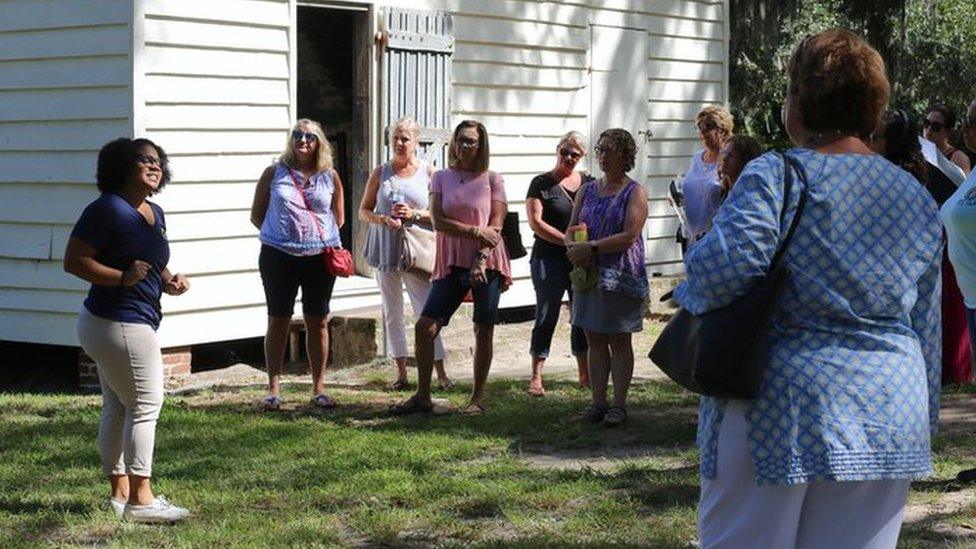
[606, 312]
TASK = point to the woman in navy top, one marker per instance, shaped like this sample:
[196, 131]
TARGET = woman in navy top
[119, 245]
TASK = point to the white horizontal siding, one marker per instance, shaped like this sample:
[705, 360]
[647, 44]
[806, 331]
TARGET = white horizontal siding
[65, 77]
[217, 96]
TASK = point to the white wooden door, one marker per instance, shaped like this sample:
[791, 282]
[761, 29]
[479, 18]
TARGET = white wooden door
[618, 88]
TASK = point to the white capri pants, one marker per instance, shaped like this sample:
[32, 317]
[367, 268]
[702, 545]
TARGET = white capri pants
[735, 512]
[130, 372]
[391, 289]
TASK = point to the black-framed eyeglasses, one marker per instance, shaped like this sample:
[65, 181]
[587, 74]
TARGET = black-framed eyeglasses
[148, 160]
[933, 125]
[298, 135]
[574, 155]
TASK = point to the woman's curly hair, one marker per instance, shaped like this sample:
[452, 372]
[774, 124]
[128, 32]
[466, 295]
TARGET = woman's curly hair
[839, 83]
[623, 143]
[117, 162]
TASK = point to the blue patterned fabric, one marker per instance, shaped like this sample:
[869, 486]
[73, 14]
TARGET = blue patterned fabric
[851, 388]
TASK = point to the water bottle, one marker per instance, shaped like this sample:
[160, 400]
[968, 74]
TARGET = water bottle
[581, 235]
[396, 197]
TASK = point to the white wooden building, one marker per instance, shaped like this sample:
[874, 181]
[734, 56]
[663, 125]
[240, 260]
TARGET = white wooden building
[218, 82]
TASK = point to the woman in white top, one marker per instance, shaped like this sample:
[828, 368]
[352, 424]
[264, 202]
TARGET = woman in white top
[397, 193]
[700, 186]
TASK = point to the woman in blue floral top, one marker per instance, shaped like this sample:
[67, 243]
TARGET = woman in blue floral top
[824, 456]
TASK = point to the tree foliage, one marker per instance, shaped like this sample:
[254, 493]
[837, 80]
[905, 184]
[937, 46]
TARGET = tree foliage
[928, 45]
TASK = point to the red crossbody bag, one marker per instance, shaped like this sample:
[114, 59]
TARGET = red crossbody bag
[338, 260]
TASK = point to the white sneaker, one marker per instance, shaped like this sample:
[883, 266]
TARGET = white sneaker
[117, 506]
[158, 511]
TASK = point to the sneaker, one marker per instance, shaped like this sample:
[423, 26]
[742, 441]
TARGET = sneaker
[159, 511]
[117, 506]
[271, 403]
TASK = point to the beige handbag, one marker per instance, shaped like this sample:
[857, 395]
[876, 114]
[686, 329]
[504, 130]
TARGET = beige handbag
[419, 247]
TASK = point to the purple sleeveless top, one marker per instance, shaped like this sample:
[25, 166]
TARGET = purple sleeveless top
[621, 272]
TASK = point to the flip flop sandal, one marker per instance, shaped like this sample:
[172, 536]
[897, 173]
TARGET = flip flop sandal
[593, 413]
[410, 406]
[271, 403]
[324, 401]
[474, 410]
[400, 385]
[446, 385]
[615, 416]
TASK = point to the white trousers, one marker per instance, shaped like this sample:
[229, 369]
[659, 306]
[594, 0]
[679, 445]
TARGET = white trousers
[391, 289]
[130, 372]
[735, 512]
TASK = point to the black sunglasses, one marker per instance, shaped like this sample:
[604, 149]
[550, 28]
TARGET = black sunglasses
[298, 135]
[934, 126]
[570, 153]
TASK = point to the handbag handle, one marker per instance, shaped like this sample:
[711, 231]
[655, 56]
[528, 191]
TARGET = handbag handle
[301, 193]
[790, 164]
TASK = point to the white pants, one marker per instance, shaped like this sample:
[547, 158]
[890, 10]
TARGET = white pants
[391, 288]
[130, 372]
[735, 512]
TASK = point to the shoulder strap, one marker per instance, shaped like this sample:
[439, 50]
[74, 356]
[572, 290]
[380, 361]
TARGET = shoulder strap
[789, 165]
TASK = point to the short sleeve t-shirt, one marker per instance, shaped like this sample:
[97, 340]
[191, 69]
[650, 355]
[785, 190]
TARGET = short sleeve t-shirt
[557, 208]
[959, 217]
[467, 197]
[121, 235]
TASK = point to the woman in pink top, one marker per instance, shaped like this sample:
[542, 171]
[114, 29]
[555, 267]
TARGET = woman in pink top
[467, 206]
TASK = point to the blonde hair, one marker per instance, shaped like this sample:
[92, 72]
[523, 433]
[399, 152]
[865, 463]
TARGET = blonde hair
[717, 114]
[575, 138]
[408, 125]
[324, 150]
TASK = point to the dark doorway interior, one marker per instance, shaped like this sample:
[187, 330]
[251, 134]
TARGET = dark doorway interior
[333, 84]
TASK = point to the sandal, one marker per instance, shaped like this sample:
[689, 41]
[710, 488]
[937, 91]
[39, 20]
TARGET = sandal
[593, 413]
[615, 416]
[411, 406]
[324, 401]
[271, 403]
[474, 410]
[445, 385]
[400, 385]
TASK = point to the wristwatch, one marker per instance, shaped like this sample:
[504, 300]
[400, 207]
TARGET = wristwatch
[593, 249]
[415, 218]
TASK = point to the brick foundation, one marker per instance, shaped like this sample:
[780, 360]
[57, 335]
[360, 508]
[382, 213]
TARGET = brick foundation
[176, 363]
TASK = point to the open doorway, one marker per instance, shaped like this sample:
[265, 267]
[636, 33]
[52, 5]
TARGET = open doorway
[333, 88]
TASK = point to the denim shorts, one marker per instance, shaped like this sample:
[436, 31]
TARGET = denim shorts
[282, 274]
[447, 294]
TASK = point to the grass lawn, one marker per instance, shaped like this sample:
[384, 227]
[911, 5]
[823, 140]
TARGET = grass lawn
[526, 474]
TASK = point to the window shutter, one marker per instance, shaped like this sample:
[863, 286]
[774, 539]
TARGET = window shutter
[416, 73]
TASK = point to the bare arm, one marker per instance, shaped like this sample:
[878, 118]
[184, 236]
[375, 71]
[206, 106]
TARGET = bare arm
[338, 201]
[368, 204]
[545, 231]
[262, 196]
[498, 212]
[960, 159]
[633, 225]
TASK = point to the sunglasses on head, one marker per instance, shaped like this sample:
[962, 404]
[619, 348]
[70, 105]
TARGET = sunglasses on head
[298, 135]
[934, 126]
[574, 155]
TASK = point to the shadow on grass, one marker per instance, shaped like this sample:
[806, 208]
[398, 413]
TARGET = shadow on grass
[660, 415]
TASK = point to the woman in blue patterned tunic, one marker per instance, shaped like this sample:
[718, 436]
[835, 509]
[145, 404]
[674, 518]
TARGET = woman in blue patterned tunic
[824, 456]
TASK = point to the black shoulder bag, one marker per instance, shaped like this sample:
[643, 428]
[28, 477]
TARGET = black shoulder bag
[722, 353]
